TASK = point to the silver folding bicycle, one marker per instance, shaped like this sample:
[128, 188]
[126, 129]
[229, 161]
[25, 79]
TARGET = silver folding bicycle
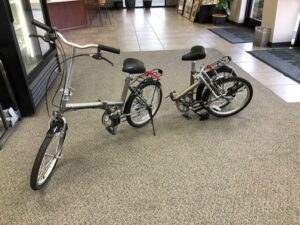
[138, 108]
[214, 88]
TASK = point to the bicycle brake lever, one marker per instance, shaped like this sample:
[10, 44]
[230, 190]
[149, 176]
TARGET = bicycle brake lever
[44, 38]
[98, 56]
[108, 61]
[34, 35]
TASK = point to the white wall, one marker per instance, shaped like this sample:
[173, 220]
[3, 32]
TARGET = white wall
[285, 20]
[280, 16]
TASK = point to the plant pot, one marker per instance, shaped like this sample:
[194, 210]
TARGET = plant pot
[147, 4]
[219, 19]
[130, 4]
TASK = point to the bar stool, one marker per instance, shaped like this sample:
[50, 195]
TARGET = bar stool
[102, 6]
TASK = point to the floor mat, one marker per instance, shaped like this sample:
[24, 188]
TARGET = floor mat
[286, 61]
[243, 169]
[235, 34]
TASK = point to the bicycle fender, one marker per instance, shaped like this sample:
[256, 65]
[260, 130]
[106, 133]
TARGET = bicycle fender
[144, 82]
[140, 86]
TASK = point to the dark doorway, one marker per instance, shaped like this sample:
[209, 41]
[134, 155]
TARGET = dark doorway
[254, 12]
[155, 3]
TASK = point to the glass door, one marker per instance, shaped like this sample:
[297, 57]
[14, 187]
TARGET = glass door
[155, 3]
[254, 12]
[257, 10]
[29, 47]
[38, 15]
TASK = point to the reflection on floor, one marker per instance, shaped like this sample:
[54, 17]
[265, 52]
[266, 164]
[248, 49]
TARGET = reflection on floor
[164, 28]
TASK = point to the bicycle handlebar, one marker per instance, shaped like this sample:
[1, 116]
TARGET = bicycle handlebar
[41, 25]
[109, 49]
[98, 46]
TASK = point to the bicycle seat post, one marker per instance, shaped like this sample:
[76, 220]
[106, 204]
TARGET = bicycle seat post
[193, 71]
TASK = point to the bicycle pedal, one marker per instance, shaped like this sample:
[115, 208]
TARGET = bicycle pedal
[204, 116]
[111, 130]
[187, 116]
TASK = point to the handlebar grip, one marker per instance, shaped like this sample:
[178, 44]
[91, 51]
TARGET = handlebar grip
[41, 25]
[109, 49]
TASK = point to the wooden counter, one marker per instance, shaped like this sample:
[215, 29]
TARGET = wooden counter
[69, 14]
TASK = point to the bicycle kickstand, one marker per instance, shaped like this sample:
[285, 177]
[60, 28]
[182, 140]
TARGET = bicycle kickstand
[150, 113]
[151, 118]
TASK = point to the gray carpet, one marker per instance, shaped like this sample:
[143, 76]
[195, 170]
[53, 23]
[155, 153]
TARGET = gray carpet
[235, 35]
[286, 61]
[243, 169]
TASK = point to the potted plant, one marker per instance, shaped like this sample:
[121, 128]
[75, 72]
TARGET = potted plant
[130, 4]
[221, 11]
[147, 3]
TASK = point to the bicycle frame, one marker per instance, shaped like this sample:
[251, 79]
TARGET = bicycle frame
[67, 90]
[197, 77]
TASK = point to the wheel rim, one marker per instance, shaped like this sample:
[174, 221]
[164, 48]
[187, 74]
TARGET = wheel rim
[229, 104]
[50, 158]
[139, 113]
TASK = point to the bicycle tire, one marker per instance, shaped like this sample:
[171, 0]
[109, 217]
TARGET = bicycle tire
[54, 132]
[234, 90]
[133, 98]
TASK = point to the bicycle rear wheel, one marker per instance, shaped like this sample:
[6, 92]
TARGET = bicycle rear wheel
[236, 95]
[47, 157]
[151, 94]
[222, 72]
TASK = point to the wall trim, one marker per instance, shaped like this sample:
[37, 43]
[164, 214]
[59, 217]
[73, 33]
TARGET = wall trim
[279, 44]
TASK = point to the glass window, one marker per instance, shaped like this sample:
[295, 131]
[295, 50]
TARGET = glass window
[257, 9]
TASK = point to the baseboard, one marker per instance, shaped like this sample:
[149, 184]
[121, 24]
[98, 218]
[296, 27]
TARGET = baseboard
[236, 23]
[279, 44]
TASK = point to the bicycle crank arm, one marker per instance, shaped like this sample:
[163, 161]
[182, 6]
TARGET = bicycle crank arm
[234, 89]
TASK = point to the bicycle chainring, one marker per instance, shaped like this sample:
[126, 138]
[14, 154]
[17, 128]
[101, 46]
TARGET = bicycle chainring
[185, 102]
[111, 119]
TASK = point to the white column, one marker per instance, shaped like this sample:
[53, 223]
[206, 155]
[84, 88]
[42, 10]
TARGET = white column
[280, 16]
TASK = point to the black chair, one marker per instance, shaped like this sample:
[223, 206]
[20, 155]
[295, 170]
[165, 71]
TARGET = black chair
[205, 14]
[102, 6]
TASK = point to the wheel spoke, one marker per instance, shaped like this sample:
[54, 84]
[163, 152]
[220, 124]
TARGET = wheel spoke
[236, 95]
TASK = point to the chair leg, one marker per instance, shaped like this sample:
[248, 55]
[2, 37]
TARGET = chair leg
[107, 15]
[100, 19]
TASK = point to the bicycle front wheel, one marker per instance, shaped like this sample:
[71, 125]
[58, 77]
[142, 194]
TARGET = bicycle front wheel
[149, 93]
[236, 93]
[47, 157]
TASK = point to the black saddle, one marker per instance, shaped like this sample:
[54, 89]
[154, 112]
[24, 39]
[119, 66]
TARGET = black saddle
[133, 66]
[197, 52]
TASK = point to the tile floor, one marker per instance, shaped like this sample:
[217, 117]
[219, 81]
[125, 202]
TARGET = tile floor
[164, 29]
